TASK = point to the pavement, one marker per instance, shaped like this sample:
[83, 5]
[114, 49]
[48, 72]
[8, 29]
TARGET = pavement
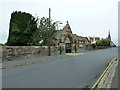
[108, 78]
[115, 80]
[64, 71]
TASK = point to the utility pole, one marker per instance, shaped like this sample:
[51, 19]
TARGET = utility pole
[49, 34]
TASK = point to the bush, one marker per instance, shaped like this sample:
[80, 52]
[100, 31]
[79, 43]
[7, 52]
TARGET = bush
[103, 43]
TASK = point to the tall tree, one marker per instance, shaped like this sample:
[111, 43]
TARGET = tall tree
[22, 28]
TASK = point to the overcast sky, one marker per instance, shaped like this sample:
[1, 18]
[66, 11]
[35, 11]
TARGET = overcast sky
[86, 17]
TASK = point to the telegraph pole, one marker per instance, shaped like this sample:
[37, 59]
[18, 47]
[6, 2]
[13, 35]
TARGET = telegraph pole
[49, 34]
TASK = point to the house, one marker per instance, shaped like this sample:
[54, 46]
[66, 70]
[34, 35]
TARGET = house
[93, 39]
[83, 40]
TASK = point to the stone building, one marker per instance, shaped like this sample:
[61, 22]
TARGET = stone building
[67, 41]
[109, 38]
[83, 40]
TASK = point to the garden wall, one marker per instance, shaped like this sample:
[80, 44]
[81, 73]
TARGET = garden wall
[8, 53]
[13, 52]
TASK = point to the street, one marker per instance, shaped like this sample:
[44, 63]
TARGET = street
[73, 71]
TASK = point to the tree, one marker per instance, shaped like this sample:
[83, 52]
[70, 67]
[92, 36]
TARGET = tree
[22, 28]
[103, 43]
[27, 30]
[46, 32]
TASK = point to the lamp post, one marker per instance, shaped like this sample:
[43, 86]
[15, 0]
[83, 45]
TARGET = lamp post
[58, 24]
[60, 42]
[49, 33]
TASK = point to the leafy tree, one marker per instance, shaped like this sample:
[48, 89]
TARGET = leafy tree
[103, 43]
[22, 28]
[27, 30]
[46, 31]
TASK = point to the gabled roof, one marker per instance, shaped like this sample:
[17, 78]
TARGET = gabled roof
[82, 38]
[67, 28]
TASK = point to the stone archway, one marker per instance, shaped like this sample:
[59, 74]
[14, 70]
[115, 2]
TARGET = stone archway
[68, 40]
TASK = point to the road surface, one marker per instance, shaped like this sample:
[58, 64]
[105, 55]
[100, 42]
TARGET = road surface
[73, 71]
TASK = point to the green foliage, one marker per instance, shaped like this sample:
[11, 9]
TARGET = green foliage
[45, 31]
[1, 44]
[103, 43]
[22, 27]
[27, 30]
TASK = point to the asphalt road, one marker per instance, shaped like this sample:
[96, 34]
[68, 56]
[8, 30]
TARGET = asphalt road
[75, 71]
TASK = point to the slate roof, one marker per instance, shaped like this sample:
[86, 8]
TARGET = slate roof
[82, 38]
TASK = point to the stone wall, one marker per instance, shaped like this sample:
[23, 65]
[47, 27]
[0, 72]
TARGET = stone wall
[85, 49]
[14, 52]
[101, 47]
[8, 53]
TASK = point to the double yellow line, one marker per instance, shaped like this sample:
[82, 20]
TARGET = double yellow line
[101, 79]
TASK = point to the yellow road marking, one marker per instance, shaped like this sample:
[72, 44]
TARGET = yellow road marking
[103, 75]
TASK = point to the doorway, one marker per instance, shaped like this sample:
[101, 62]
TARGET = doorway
[68, 46]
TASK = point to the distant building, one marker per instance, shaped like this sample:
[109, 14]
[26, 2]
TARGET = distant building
[94, 39]
[83, 40]
[109, 36]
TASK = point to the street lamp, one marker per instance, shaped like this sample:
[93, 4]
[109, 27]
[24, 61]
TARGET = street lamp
[60, 41]
[58, 22]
